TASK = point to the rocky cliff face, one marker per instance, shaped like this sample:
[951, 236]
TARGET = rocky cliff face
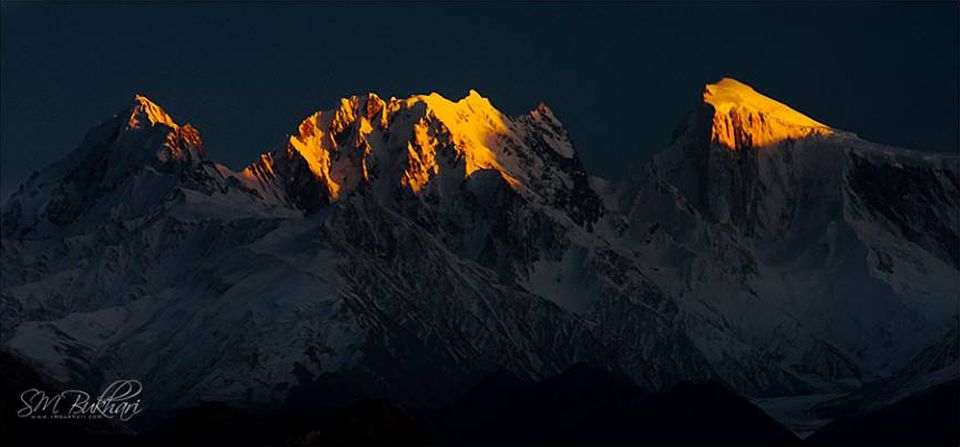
[784, 231]
[404, 248]
[426, 146]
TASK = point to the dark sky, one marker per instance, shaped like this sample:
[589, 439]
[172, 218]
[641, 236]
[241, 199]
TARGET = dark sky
[620, 76]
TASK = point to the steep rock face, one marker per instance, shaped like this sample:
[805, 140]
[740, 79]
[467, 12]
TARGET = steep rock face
[438, 321]
[124, 169]
[784, 232]
[506, 192]
[886, 187]
[397, 249]
[406, 248]
[426, 146]
[112, 221]
[743, 119]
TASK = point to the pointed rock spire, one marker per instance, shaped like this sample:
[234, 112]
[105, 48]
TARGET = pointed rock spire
[146, 113]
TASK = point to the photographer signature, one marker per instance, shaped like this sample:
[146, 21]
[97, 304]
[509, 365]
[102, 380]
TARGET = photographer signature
[117, 401]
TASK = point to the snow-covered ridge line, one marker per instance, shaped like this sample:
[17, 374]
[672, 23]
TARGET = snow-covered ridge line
[415, 245]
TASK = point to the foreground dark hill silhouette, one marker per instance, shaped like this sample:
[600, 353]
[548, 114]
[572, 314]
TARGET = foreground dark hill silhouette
[931, 417]
[586, 405]
[583, 406]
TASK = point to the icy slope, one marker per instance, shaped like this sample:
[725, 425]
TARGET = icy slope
[405, 248]
[227, 286]
[834, 256]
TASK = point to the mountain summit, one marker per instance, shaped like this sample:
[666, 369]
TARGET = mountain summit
[145, 113]
[837, 255]
[744, 118]
[406, 248]
[425, 146]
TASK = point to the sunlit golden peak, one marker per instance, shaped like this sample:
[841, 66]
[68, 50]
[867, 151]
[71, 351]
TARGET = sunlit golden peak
[745, 118]
[729, 93]
[407, 140]
[472, 97]
[471, 115]
[144, 113]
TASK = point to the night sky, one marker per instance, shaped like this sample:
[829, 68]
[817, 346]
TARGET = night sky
[621, 77]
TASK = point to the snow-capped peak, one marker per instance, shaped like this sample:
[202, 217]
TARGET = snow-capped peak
[146, 113]
[475, 126]
[745, 118]
[801, 269]
[412, 143]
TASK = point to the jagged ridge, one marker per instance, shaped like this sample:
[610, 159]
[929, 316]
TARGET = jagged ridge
[408, 247]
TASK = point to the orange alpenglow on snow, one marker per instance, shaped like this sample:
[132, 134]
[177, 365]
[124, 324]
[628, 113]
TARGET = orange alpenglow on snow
[474, 124]
[146, 113]
[337, 145]
[744, 118]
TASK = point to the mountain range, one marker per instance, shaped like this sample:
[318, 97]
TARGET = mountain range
[405, 249]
